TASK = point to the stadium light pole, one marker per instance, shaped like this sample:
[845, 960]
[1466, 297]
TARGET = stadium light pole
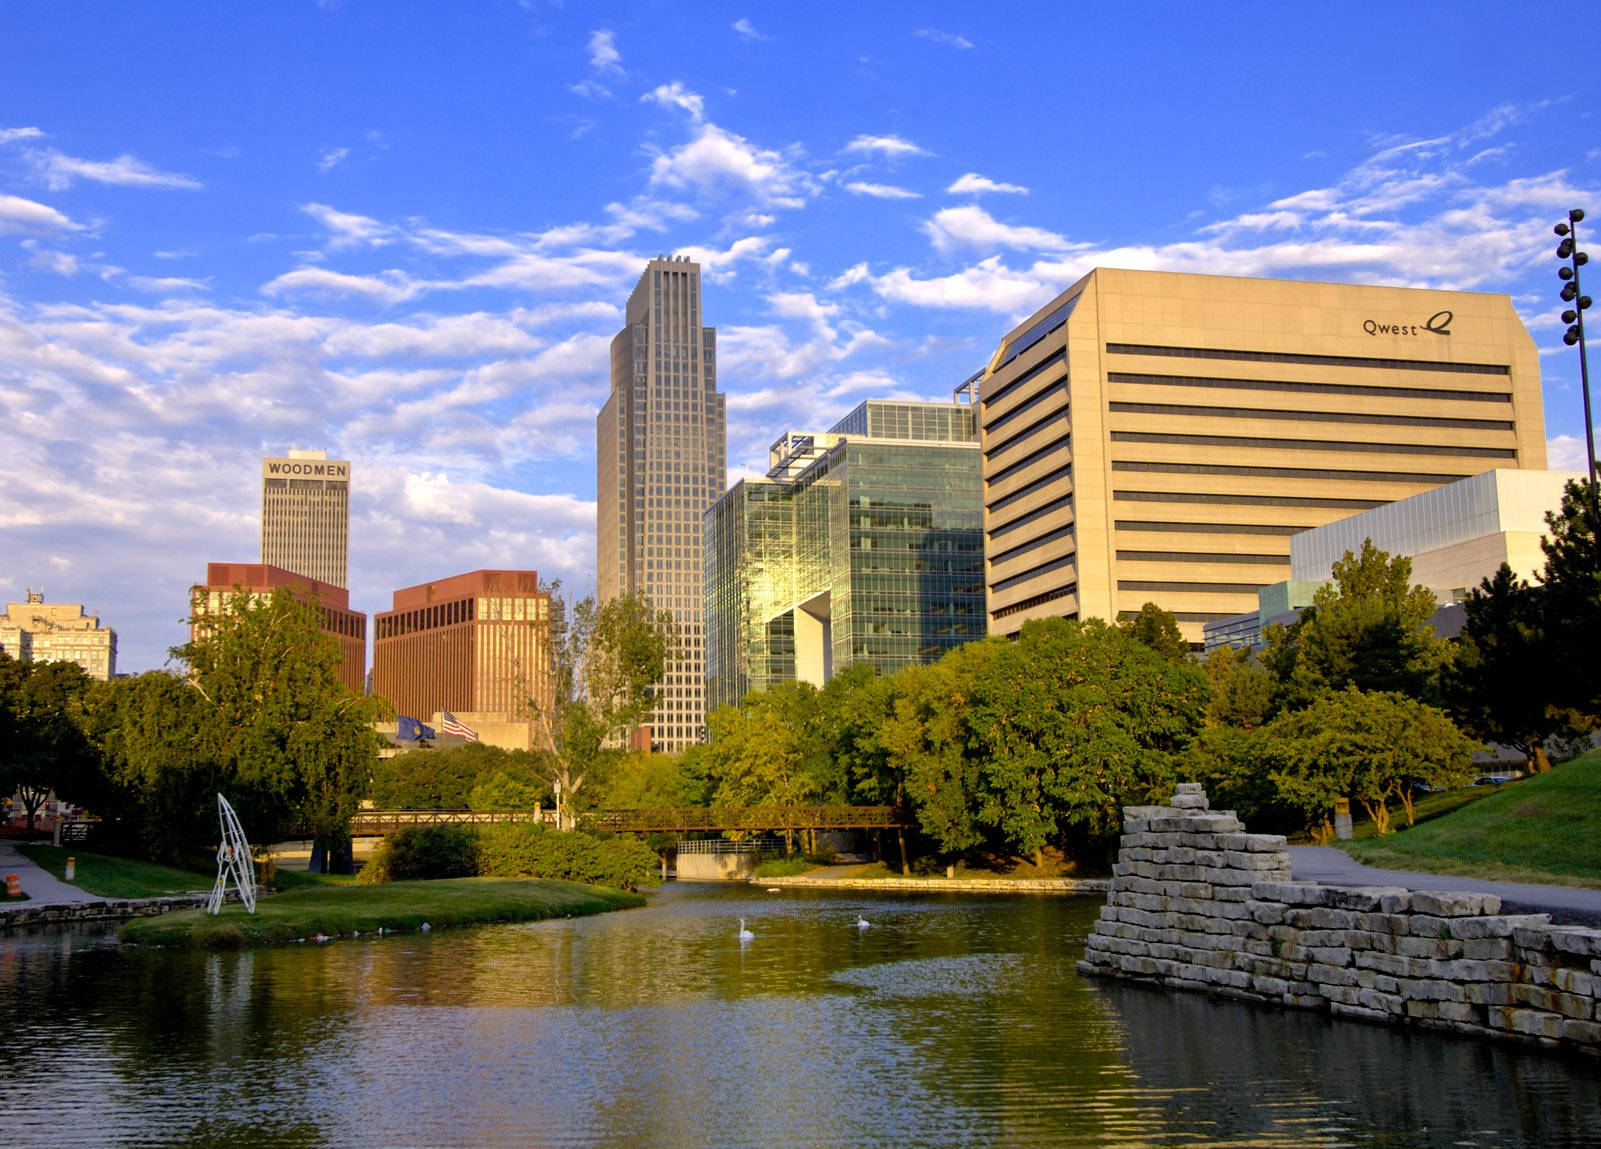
[1568, 249]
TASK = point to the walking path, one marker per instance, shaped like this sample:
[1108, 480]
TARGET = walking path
[1568, 904]
[42, 887]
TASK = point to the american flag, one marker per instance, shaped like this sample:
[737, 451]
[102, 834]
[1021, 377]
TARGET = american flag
[450, 724]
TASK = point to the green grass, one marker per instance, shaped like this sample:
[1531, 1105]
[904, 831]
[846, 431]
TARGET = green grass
[784, 867]
[109, 877]
[339, 911]
[1541, 829]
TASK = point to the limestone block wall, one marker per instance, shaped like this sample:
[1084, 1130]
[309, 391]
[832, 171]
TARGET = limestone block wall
[1196, 903]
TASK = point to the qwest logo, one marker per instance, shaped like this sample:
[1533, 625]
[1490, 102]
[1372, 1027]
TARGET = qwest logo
[1439, 324]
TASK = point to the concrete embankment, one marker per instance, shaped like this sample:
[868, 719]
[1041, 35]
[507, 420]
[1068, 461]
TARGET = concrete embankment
[94, 910]
[1196, 903]
[947, 885]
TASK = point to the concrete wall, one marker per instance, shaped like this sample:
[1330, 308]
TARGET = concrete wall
[1197, 903]
[731, 867]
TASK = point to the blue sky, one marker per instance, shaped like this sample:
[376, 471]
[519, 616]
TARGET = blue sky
[405, 233]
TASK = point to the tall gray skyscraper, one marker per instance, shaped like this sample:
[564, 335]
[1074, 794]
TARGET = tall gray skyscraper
[661, 451]
[305, 515]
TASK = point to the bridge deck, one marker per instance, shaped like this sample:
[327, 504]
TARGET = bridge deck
[664, 819]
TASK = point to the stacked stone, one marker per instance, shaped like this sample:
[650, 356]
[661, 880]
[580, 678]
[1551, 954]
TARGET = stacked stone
[1178, 907]
[1197, 904]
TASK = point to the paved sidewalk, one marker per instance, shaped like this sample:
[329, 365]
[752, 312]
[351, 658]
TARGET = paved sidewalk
[42, 887]
[1569, 904]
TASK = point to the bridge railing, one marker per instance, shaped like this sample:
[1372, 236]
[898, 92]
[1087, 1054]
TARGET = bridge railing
[375, 823]
[660, 819]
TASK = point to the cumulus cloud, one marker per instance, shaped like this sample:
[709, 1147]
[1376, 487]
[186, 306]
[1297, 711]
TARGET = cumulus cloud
[347, 229]
[675, 95]
[971, 226]
[390, 287]
[716, 162]
[1568, 453]
[881, 191]
[891, 147]
[59, 171]
[603, 54]
[974, 184]
[46, 259]
[13, 135]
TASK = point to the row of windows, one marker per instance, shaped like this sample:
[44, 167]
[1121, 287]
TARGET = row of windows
[1031, 458]
[1196, 557]
[1022, 436]
[1038, 600]
[1194, 587]
[1427, 479]
[1307, 388]
[1183, 615]
[1028, 489]
[1311, 360]
[1033, 516]
[1039, 331]
[1021, 381]
[1032, 544]
[1310, 416]
[1243, 500]
[1209, 528]
[1025, 407]
[1032, 572]
[1240, 441]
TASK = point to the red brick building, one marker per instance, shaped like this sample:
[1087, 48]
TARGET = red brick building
[348, 627]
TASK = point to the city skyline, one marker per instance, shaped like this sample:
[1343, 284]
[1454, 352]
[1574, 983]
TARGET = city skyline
[408, 239]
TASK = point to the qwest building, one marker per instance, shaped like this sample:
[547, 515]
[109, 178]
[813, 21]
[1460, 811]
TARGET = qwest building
[1157, 437]
[661, 453]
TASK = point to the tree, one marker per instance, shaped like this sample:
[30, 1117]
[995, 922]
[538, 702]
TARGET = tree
[927, 741]
[298, 744]
[44, 748]
[1370, 746]
[1370, 630]
[609, 664]
[1159, 630]
[1242, 689]
[1572, 582]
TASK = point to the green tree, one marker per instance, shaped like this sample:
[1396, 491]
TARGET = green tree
[767, 752]
[1242, 689]
[1157, 629]
[1369, 746]
[43, 748]
[609, 664]
[1573, 605]
[282, 723]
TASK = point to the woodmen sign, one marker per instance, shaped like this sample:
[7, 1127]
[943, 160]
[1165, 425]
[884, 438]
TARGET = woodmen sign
[305, 469]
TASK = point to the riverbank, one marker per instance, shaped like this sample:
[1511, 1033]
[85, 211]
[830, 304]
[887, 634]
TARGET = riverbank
[331, 912]
[932, 885]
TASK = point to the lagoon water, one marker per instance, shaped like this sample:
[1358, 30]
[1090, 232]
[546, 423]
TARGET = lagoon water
[952, 1021]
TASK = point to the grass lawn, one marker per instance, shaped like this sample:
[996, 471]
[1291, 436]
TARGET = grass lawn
[1542, 829]
[109, 877]
[341, 910]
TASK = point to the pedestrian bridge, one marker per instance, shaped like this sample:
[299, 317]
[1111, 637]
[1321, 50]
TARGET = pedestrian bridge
[660, 819]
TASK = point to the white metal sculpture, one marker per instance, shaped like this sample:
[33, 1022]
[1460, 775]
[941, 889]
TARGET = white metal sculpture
[233, 859]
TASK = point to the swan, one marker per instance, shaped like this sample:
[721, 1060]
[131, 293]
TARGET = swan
[744, 935]
[425, 927]
[862, 923]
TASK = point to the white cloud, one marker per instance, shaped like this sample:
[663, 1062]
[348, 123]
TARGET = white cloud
[881, 191]
[950, 39]
[349, 230]
[603, 54]
[989, 286]
[167, 285]
[747, 32]
[891, 147]
[26, 215]
[972, 226]
[433, 337]
[390, 287]
[675, 95]
[12, 135]
[717, 161]
[330, 158]
[60, 171]
[590, 90]
[974, 184]
[59, 262]
[1568, 452]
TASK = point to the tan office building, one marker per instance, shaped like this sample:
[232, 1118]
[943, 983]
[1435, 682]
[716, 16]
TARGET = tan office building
[1157, 437]
[305, 515]
[58, 632]
[661, 454]
[476, 644]
[347, 627]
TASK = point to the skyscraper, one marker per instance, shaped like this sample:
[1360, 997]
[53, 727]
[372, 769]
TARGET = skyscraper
[661, 452]
[305, 515]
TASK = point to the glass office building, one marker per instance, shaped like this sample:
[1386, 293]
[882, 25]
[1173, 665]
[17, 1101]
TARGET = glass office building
[862, 544]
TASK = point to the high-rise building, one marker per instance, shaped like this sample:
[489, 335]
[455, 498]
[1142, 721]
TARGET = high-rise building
[1158, 437]
[347, 627]
[661, 453]
[305, 515]
[864, 543]
[58, 632]
[476, 644]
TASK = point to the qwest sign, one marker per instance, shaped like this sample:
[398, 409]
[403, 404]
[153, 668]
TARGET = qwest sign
[1438, 324]
[311, 469]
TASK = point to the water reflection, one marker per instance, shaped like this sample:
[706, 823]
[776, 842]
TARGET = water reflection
[950, 1022]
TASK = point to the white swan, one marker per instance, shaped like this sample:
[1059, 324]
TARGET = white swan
[862, 923]
[744, 935]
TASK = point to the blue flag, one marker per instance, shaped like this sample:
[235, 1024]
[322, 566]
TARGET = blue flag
[408, 729]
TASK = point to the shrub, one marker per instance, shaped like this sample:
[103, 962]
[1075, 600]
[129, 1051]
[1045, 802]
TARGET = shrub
[570, 855]
[424, 852]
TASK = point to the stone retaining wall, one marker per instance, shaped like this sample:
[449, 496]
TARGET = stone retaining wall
[111, 909]
[1197, 903]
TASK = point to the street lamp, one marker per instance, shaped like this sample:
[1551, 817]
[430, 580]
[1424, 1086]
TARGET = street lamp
[1568, 249]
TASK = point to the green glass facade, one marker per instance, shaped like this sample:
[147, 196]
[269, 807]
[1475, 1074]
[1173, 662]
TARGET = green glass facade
[871, 551]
